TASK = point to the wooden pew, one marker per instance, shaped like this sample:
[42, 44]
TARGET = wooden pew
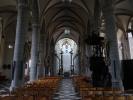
[42, 89]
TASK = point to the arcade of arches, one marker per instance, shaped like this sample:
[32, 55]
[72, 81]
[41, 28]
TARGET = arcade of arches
[66, 42]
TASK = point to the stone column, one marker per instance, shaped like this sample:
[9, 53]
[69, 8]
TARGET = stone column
[61, 63]
[88, 55]
[44, 53]
[97, 16]
[79, 60]
[125, 48]
[52, 57]
[21, 30]
[57, 63]
[47, 58]
[35, 41]
[54, 64]
[71, 66]
[113, 44]
[34, 53]
[41, 57]
[83, 67]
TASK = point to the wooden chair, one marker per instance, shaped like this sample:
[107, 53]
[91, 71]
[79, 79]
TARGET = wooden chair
[108, 97]
[98, 93]
[42, 98]
[117, 92]
[120, 97]
[108, 92]
[87, 98]
[8, 98]
[129, 97]
[98, 98]
[28, 98]
[99, 89]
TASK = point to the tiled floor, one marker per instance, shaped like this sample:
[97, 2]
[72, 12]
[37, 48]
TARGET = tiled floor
[4, 87]
[66, 91]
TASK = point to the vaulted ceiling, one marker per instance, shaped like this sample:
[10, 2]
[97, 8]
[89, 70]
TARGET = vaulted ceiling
[58, 15]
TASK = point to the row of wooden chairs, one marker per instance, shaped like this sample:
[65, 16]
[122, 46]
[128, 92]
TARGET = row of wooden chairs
[23, 98]
[88, 92]
[109, 97]
[42, 89]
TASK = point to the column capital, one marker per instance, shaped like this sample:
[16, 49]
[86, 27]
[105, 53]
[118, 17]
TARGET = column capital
[107, 11]
[35, 25]
[22, 5]
[107, 6]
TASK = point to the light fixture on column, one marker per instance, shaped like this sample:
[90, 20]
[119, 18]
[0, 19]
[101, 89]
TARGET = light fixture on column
[10, 46]
[31, 13]
[67, 31]
[102, 34]
[70, 1]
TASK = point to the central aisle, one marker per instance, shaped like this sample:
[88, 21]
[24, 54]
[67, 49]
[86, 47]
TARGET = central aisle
[66, 91]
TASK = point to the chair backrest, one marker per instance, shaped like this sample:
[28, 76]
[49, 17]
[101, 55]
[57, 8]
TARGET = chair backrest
[108, 97]
[8, 98]
[108, 92]
[130, 97]
[98, 98]
[87, 98]
[120, 97]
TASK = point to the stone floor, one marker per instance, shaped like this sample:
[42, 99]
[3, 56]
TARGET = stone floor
[4, 87]
[66, 91]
